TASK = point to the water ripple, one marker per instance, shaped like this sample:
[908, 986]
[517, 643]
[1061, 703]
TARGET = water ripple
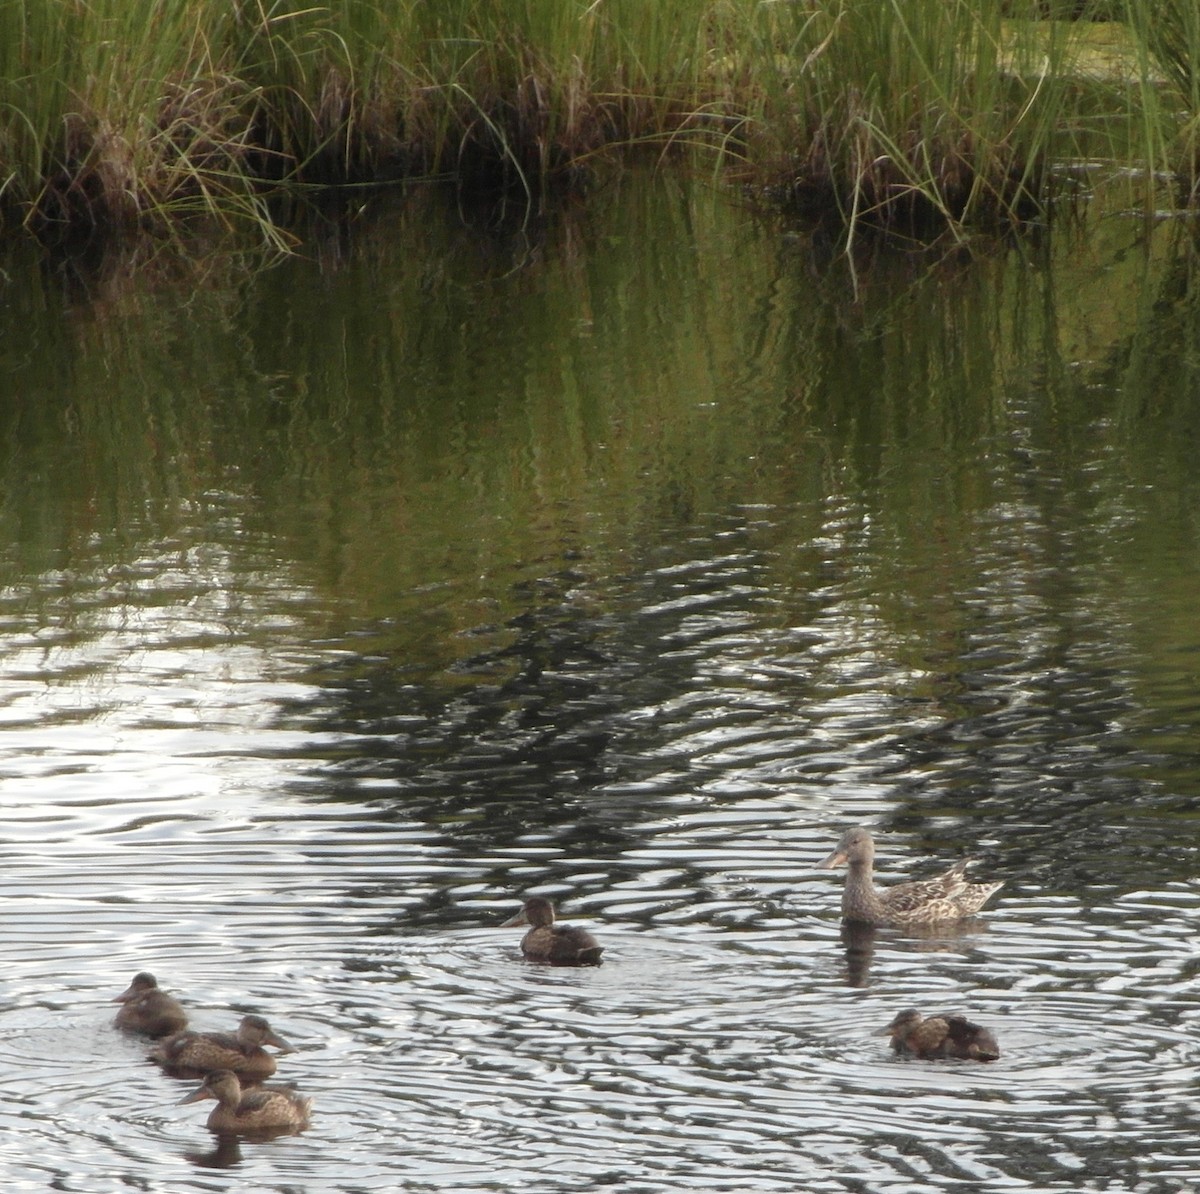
[308, 833]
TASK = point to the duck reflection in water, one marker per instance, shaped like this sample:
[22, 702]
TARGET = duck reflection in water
[242, 1052]
[560, 945]
[259, 1111]
[225, 1153]
[940, 1036]
[859, 940]
[940, 937]
[148, 1009]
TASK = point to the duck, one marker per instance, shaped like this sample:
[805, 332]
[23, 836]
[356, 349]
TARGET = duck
[944, 898]
[941, 1036]
[563, 945]
[247, 1112]
[148, 1009]
[241, 1052]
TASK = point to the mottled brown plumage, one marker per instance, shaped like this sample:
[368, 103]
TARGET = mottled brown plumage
[249, 1112]
[941, 1036]
[241, 1052]
[562, 945]
[148, 1009]
[946, 897]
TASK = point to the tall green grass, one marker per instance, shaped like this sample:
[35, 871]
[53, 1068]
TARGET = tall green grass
[922, 112]
[1168, 34]
[902, 112]
[114, 115]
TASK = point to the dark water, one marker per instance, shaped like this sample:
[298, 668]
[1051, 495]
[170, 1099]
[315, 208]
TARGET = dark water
[625, 558]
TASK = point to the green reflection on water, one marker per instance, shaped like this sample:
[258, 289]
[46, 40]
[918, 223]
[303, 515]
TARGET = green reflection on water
[422, 417]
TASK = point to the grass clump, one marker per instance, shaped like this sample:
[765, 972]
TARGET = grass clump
[529, 89]
[917, 112]
[112, 119]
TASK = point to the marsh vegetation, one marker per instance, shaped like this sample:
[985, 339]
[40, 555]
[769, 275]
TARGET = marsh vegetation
[915, 114]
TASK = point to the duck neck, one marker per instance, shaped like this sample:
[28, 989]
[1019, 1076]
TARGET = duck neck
[860, 900]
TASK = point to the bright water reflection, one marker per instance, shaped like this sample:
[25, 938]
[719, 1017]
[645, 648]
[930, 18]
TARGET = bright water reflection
[626, 560]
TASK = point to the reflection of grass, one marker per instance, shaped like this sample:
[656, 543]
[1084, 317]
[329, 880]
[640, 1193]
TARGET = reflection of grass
[894, 111]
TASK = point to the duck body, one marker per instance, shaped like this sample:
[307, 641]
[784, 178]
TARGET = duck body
[146, 1008]
[941, 1036]
[241, 1052]
[560, 945]
[262, 1109]
[946, 897]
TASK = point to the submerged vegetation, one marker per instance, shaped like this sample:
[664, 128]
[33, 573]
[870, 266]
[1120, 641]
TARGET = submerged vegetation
[910, 113]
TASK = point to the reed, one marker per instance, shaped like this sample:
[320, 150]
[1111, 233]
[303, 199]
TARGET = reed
[920, 112]
[115, 118]
[899, 112]
[521, 90]
[328, 82]
[1168, 34]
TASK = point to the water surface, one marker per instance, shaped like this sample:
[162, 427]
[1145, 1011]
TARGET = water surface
[626, 557]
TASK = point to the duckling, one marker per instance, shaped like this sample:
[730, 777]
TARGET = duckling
[246, 1112]
[148, 1009]
[241, 1052]
[562, 945]
[941, 1036]
[946, 897]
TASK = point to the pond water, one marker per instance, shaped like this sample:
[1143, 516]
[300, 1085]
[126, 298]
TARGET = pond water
[626, 557]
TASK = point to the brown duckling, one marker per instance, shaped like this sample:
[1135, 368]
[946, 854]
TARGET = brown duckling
[946, 897]
[247, 1112]
[149, 1009]
[241, 1052]
[563, 945]
[941, 1036]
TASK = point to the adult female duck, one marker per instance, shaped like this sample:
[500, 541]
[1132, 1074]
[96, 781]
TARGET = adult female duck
[947, 897]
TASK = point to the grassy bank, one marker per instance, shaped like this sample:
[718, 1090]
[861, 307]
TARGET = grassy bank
[905, 112]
